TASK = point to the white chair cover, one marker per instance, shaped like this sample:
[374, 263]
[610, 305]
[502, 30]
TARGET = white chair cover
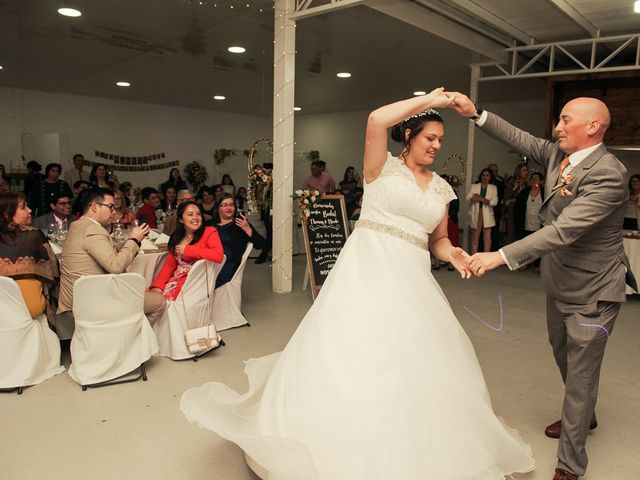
[192, 308]
[112, 336]
[228, 299]
[29, 349]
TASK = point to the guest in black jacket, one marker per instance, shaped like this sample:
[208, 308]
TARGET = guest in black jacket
[235, 233]
[525, 211]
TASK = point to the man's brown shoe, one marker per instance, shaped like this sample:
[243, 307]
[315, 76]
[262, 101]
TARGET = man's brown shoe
[564, 475]
[553, 430]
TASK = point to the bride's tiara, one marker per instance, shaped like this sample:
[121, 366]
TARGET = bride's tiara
[429, 111]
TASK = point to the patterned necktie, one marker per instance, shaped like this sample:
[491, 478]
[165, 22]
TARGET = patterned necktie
[563, 165]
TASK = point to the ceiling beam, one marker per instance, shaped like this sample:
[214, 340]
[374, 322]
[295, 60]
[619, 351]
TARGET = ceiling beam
[434, 23]
[493, 20]
[574, 15]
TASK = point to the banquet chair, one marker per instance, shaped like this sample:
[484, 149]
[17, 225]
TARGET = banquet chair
[112, 337]
[192, 308]
[228, 299]
[29, 349]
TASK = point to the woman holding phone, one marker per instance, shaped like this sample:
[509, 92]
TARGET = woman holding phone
[235, 233]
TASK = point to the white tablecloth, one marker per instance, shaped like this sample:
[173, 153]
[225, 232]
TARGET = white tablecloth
[632, 249]
[148, 265]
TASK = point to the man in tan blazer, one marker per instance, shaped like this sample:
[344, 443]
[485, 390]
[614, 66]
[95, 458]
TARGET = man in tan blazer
[584, 267]
[89, 250]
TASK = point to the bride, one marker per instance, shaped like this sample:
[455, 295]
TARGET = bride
[379, 381]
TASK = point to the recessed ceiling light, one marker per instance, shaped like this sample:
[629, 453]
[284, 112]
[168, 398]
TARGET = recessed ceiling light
[343, 75]
[636, 6]
[296, 109]
[123, 84]
[69, 12]
[418, 93]
[219, 97]
[237, 49]
[0, 67]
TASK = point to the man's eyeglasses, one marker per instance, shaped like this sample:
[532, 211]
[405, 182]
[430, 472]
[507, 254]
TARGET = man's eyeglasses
[110, 206]
[225, 205]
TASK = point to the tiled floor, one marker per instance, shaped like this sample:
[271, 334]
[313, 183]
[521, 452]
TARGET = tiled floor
[56, 431]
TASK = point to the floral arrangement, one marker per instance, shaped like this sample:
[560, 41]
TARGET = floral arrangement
[221, 153]
[260, 195]
[306, 199]
[195, 174]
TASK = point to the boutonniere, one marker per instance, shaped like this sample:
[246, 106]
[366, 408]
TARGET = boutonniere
[567, 179]
[565, 193]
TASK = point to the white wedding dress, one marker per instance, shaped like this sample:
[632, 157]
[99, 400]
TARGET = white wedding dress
[380, 381]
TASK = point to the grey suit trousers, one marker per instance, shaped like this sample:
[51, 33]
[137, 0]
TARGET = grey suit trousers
[578, 335]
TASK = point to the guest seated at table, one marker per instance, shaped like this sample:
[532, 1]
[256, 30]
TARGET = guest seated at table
[121, 214]
[168, 203]
[235, 232]
[76, 207]
[171, 223]
[89, 250]
[191, 241]
[147, 213]
[25, 254]
[60, 213]
[207, 200]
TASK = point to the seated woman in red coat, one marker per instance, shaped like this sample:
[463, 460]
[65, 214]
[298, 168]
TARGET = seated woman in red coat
[190, 242]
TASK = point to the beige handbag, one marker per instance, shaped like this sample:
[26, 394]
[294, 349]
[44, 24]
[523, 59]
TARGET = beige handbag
[206, 337]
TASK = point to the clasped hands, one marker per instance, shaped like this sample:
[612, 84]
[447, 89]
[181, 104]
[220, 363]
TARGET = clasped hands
[477, 264]
[439, 98]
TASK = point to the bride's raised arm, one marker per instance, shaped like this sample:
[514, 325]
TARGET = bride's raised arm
[375, 144]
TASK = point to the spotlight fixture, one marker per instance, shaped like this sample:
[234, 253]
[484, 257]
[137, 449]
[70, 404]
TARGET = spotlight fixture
[419, 93]
[69, 12]
[343, 75]
[236, 49]
[219, 97]
[123, 84]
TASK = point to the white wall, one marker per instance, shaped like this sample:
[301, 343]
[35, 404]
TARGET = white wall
[126, 128]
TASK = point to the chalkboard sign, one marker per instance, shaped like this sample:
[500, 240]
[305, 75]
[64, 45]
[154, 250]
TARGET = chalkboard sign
[325, 233]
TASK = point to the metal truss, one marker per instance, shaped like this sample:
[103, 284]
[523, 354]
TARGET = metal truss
[593, 55]
[305, 9]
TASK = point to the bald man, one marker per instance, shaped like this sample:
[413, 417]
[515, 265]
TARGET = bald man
[584, 267]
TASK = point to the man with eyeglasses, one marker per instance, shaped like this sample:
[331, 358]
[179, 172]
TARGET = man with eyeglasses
[60, 205]
[89, 250]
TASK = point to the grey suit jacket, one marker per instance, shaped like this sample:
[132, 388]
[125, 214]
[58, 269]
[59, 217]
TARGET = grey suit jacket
[43, 221]
[583, 259]
[89, 250]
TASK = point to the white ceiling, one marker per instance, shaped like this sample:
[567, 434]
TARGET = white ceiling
[175, 51]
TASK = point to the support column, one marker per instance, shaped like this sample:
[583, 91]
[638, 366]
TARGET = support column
[283, 101]
[473, 95]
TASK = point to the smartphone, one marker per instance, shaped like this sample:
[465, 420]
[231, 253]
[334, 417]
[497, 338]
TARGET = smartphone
[143, 218]
[239, 214]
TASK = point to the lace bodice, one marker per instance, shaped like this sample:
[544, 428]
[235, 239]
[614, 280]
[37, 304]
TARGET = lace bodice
[395, 199]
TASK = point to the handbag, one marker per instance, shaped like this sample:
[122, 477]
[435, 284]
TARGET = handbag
[202, 338]
[206, 337]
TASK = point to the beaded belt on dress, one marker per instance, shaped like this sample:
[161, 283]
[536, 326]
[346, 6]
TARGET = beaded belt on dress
[394, 231]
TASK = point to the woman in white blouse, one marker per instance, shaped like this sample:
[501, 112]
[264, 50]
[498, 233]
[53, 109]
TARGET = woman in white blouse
[482, 197]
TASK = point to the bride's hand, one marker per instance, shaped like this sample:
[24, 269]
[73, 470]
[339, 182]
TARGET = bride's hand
[460, 260]
[438, 98]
